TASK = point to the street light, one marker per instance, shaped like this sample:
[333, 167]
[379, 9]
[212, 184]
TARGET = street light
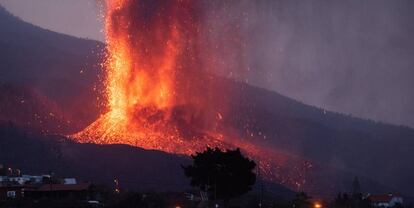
[317, 205]
[117, 190]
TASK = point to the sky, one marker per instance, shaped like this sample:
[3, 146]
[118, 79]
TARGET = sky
[354, 57]
[79, 18]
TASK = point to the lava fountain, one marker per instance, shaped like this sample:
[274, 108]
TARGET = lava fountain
[156, 90]
[150, 78]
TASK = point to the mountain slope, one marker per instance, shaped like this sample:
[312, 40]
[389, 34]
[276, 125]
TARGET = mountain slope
[378, 151]
[135, 168]
[340, 147]
[24, 106]
[59, 66]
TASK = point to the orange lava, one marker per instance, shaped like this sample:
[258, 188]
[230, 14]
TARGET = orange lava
[148, 44]
[150, 71]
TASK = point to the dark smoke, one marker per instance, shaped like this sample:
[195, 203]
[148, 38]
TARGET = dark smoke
[352, 56]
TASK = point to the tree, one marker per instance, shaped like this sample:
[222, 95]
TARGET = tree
[356, 187]
[222, 174]
[301, 200]
[353, 201]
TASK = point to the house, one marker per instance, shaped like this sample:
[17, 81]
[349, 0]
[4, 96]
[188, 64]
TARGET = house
[21, 180]
[78, 191]
[11, 192]
[69, 181]
[385, 200]
[14, 185]
[14, 190]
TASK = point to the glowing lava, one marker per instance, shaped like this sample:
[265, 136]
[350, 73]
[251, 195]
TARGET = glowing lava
[152, 84]
[150, 48]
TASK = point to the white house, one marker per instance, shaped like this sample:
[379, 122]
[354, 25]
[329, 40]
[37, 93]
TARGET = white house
[69, 181]
[22, 179]
[385, 200]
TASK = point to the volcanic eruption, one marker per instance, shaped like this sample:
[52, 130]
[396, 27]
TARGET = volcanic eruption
[157, 87]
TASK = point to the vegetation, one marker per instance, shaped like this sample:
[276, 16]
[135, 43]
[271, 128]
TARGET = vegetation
[302, 200]
[222, 174]
[343, 200]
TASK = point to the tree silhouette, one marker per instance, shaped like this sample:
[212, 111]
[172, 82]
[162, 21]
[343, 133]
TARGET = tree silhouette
[343, 200]
[302, 200]
[356, 187]
[222, 174]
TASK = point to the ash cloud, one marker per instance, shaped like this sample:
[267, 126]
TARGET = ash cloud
[354, 57]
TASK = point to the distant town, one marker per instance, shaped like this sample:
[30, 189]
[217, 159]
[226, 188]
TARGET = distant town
[17, 186]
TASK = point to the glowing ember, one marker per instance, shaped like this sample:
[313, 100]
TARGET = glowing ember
[153, 78]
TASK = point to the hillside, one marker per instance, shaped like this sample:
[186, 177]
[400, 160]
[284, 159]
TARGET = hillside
[24, 106]
[374, 150]
[64, 72]
[136, 169]
[59, 66]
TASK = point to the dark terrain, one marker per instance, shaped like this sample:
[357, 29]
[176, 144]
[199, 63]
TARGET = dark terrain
[135, 168]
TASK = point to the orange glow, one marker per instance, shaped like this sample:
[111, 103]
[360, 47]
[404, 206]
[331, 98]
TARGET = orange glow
[149, 74]
[140, 79]
[146, 54]
[136, 79]
[317, 205]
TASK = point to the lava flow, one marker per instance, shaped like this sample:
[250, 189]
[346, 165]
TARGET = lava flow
[153, 86]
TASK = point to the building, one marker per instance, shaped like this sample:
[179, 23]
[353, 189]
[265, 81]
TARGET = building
[14, 185]
[69, 181]
[24, 179]
[76, 191]
[386, 200]
[11, 192]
